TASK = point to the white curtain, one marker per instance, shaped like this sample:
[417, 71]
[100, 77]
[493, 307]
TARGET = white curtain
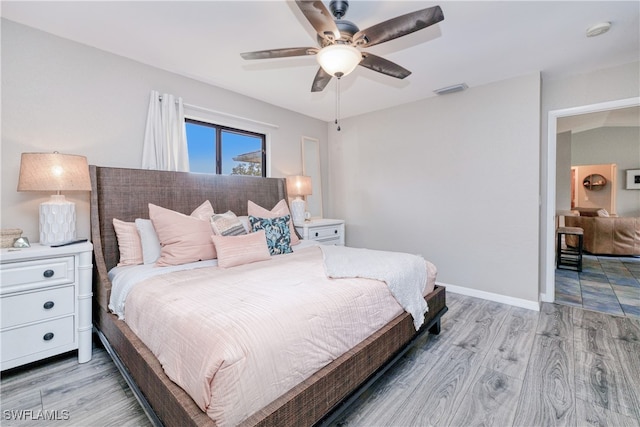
[165, 138]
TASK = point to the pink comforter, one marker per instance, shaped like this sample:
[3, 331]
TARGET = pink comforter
[236, 339]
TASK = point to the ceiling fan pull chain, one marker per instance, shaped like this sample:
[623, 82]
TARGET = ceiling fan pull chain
[338, 101]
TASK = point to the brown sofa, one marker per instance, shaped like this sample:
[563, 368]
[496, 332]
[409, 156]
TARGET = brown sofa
[607, 235]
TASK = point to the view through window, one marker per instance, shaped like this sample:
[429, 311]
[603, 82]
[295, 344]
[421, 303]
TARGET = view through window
[223, 150]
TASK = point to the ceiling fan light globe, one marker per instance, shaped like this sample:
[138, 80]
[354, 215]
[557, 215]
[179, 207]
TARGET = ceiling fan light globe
[339, 59]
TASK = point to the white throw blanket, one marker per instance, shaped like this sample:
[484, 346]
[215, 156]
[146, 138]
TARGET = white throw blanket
[405, 274]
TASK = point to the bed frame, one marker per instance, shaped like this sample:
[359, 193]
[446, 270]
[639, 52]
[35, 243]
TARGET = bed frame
[125, 194]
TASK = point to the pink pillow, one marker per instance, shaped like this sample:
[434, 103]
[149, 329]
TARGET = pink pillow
[280, 209]
[128, 242]
[242, 249]
[204, 211]
[183, 238]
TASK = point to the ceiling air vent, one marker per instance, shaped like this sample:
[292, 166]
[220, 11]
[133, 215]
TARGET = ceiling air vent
[451, 89]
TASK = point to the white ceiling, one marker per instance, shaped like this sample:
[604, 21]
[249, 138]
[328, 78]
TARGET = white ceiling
[477, 43]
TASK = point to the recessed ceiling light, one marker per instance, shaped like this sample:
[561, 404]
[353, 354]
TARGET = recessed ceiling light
[598, 29]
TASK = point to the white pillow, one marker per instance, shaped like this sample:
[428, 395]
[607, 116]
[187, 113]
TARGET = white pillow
[149, 240]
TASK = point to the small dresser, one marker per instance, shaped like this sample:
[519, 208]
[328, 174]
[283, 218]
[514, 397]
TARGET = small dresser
[45, 303]
[325, 231]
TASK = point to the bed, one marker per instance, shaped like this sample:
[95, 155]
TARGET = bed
[125, 194]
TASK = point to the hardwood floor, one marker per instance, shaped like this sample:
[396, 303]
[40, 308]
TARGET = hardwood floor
[62, 392]
[492, 365]
[496, 365]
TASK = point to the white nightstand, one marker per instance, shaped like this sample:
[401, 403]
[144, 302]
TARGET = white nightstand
[325, 231]
[45, 299]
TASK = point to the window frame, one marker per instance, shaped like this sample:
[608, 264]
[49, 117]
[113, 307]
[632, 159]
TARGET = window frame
[219, 129]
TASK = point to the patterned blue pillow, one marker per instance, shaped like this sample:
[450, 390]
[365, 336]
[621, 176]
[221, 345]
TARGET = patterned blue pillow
[277, 232]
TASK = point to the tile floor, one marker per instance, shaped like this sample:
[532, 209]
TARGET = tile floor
[606, 284]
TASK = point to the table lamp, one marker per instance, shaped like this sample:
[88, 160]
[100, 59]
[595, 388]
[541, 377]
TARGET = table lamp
[298, 186]
[55, 172]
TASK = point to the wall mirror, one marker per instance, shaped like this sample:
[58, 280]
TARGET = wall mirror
[311, 168]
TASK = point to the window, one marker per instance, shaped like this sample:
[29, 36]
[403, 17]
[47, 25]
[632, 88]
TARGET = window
[224, 150]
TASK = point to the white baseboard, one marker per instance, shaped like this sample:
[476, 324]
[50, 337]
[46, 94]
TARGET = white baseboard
[517, 302]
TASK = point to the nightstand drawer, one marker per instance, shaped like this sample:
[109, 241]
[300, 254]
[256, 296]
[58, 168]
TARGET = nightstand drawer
[322, 233]
[36, 338]
[56, 271]
[323, 230]
[31, 307]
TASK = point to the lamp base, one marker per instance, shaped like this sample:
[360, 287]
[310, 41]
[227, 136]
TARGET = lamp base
[57, 221]
[297, 210]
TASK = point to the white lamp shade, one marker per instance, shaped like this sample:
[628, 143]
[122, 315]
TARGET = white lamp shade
[299, 185]
[339, 59]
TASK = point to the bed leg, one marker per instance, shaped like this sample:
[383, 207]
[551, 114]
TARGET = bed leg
[435, 329]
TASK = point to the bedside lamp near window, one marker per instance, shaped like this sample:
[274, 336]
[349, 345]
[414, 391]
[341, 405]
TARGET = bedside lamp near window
[47, 172]
[298, 186]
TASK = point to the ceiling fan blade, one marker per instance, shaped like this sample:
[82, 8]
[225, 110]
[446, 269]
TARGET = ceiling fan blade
[384, 66]
[321, 80]
[320, 18]
[280, 53]
[398, 26]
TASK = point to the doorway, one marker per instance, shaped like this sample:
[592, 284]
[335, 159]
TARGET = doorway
[549, 216]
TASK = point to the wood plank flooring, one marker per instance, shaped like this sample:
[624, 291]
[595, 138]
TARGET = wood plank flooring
[497, 365]
[62, 392]
[492, 365]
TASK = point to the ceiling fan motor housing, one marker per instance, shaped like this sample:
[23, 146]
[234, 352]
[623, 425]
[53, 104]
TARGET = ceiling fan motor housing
[347, 30]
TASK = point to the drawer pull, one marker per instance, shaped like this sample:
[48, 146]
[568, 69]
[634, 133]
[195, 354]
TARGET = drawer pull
[316, 234]
[48, 273]
[335, 231]
[48, 305]
[48, 336]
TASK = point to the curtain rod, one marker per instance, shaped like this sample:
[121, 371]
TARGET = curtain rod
[231, 116]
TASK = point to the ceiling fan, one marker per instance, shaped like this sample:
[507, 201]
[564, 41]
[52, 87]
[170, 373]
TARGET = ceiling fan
[340, 40]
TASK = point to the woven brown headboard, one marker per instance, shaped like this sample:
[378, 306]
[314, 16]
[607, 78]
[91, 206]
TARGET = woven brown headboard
[125, 194]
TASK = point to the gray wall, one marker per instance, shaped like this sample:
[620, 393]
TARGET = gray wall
[454, 178]
[59, 95]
